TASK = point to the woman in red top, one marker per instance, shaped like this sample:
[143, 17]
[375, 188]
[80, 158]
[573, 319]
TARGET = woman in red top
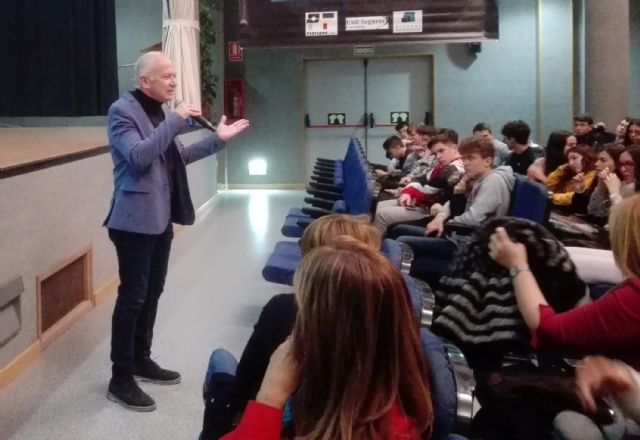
[609, 326]
[353, 364]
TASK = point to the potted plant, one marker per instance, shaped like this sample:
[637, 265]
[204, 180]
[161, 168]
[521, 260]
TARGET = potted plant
[208, 80]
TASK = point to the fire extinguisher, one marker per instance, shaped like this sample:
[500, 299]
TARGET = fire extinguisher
[236, 105]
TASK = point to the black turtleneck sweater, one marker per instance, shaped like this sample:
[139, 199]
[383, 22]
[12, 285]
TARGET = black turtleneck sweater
[154, 111]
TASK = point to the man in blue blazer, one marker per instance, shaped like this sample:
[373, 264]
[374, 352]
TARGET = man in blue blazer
[151, 193]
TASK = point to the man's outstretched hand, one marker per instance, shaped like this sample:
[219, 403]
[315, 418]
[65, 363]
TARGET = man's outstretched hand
[226, 132]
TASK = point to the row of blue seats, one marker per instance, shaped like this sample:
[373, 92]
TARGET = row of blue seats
[348, 189]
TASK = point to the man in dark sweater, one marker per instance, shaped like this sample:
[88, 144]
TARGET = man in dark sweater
[516, 135]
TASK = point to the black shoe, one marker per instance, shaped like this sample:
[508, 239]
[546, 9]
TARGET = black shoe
[127, 393]
[149, 371]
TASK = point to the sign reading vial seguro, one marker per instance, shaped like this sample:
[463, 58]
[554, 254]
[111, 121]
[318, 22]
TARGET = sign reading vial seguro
[320, 24]
[366, 23]
[407, 21]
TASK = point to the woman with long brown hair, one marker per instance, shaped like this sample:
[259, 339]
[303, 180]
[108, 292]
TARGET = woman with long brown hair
[353, 367]
[577, 175]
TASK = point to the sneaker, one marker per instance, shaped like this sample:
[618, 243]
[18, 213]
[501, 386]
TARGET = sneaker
[128, 394]
[149, 371]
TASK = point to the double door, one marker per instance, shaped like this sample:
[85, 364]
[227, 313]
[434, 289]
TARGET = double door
[363, 98]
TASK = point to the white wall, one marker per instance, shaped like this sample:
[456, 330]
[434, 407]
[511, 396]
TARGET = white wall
[48, 215]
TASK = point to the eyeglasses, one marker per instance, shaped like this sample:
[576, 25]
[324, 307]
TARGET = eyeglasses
[626, 164]
[634, 132]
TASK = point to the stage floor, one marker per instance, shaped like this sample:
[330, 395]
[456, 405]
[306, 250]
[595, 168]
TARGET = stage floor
[26, 147]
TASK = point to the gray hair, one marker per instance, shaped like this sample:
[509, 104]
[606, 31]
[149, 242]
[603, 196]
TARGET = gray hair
[146, 62]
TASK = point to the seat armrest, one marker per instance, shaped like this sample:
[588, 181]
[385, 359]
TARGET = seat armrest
[325, 187]
[407, 258]
[327, 195]
[315, 213]
[319, 203]
[428, 303]
[322, 180]
[465, 386]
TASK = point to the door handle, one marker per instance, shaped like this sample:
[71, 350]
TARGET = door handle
[372, 121]
[427, 118]
[307, 120]
[365, 121]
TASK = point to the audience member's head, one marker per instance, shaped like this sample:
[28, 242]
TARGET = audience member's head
[156, 76]
[624, 232]
[483, 129]
[581, 159]
[401, 129]
[323, 230]
[424, 133]
[582, 124]
[444, 146]
[558, 145]
[357, 345]
[629, 166]
[394, 147]
[516, 133]
[414, 138]
[477, 156]
[608, 156]
[632, 136]
[621, 129]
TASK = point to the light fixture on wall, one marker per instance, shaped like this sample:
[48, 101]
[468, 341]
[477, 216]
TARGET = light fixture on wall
[258, 167]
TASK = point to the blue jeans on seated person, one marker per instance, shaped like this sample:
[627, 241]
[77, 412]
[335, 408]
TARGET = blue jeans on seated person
[220, 361]
[432, 256]
[221, 407]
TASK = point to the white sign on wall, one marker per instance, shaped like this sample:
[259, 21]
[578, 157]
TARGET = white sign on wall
[319, 24]
[407, 21]
[366, 23]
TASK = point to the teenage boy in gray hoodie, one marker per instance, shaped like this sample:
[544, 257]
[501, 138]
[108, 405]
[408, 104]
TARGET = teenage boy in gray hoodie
[489, 197]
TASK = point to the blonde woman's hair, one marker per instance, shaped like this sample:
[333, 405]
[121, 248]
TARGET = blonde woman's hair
[326, 228]
[357, 344]
[624, 232]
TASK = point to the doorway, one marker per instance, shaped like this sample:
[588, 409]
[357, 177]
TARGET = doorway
[363, 98]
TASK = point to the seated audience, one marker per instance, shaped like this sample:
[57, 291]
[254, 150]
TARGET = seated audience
[425, 161]
[353, 367]
[402, 161]
[610, 325]
[632, 136]
[608, 191]
[402, 129]
[516, 135]
[278, 315]
[502, 151]
[583, 130]
[555, 154]
[436, 187]
[621, 131]
[489, 197]
[629, 170]
[602, 136]
[578, 174]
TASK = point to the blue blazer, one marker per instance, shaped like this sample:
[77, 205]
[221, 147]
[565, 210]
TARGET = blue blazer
[141, 199]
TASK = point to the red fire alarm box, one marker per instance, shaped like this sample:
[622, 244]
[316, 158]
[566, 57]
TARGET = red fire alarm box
[234, 99]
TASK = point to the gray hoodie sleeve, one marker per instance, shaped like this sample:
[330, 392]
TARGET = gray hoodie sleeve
[492, 198]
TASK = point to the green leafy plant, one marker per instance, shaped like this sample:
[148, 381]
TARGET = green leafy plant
[208, 80]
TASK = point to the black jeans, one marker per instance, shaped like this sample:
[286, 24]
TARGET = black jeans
[142, 261]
